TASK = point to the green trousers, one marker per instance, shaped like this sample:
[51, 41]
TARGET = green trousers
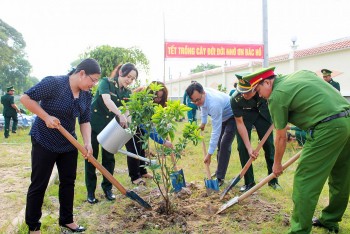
[261, 126]
[325, 155]
[108, 161]
[7, 124]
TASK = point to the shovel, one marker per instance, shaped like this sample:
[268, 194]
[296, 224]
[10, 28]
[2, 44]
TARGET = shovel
[177, 177]
[211, 185]
[247, 165]
[129, 154]
[257, 186]
[130, 194]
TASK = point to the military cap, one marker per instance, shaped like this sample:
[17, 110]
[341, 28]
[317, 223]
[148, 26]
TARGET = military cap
[10, 88]
[259, 75]
[243, 86]
[326, 72]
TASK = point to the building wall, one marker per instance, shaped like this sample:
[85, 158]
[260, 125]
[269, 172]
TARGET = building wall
[335, 60]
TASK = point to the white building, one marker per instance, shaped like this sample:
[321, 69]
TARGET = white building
[334, 55]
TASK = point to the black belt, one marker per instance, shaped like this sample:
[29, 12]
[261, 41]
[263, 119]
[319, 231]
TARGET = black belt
[336, 116]
[329, 118]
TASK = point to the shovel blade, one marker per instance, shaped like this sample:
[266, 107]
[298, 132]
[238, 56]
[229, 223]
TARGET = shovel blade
[211, 185]
[133, 196]
[178, 180]
[230, 186]
[228, 204]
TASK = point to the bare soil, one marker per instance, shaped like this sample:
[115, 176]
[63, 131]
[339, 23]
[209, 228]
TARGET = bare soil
[194, 212]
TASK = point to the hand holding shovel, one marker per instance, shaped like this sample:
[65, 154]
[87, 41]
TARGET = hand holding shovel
[247, 165]
[130, 194]
[257, 186]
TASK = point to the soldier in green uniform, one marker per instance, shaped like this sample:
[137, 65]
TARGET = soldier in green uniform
[10, 111]
[327, 76]
[305, 101]
[104, 107]
[251, 110]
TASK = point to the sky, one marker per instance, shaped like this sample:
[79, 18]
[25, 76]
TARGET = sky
[58, 31]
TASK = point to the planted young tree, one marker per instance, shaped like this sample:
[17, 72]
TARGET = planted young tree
[151, 117]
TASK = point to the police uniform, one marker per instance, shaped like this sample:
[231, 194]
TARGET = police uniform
[255, 113]
[326, 72]
[9, 112]
[100, 117]
[303, 100]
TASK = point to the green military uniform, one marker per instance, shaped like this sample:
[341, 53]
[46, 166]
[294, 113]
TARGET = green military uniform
[300, 135]
[334, 84]
[303, 100]
[100, 117]
[9, 112]
[255, 113]
[326, 72]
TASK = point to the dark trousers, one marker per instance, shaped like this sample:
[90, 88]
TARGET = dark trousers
[136, 167]
[43, 162]
[227, 135]
[261, 126]
[108, 162]
[7, 124]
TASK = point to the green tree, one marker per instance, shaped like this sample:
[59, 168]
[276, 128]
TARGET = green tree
[109, 57]
[203, 67]
[14, 67]
[152, 117]
[222, 88]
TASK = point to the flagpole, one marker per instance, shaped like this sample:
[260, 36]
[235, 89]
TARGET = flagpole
[163, 47]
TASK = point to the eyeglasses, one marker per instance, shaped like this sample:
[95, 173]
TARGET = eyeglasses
[197, 99]
[92, 79]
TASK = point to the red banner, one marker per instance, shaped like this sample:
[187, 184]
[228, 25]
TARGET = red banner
[213, 50]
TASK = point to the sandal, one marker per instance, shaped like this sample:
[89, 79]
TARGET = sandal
[139, 182]
[147, 176]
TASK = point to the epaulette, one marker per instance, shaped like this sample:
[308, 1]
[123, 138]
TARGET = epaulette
[238, 97]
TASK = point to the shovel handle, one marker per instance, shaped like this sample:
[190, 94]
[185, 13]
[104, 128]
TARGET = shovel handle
[261, 143]
[92, 160]
[207, 169]
[268, 178]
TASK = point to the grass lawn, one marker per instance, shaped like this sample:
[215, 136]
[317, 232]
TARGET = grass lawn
[266, 211]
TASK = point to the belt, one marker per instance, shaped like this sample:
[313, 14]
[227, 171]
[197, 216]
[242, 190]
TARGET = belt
[329, 118]
[336, 116]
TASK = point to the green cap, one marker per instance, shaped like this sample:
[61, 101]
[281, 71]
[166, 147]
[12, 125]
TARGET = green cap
[243, 86]
[10, 88]
[259, 75]
[326, 72]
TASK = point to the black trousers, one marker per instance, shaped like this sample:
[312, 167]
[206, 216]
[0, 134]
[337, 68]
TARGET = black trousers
[136, 167]
[43, 162]
[227, 135]
[108, 162]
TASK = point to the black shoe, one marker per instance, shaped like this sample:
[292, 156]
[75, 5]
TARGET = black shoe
[14, 132]
[221, 182]
[317, 223]
[246, 187]
[275, 186]
[109, 195]
[91, 198]
[78, 229]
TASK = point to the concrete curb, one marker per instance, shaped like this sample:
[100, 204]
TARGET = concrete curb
[13, 227]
